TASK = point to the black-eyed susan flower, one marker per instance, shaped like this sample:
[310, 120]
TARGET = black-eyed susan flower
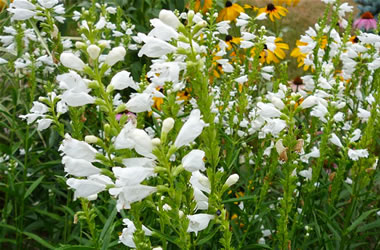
[273, 51]
[296, 53]
[230, 12]
[287, 2]
[273, 11]
[207, 4]
[232, 41]
[354, 39]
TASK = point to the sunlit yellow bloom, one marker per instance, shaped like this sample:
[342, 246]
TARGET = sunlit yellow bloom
[287, 2]
[247, 6]
[231, 41]
[268, 56]
[184, 95]
[230, 12]
[354, 39]
[207, 4]
[273, 11]
[299, 55]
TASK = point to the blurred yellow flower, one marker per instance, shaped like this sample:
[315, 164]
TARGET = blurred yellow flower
[231, 41]
[268, 56]
[207, 4]
[287, 2]
[230, 12]
[273, 11]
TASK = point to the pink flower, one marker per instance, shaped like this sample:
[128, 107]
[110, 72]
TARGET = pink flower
[366, 21]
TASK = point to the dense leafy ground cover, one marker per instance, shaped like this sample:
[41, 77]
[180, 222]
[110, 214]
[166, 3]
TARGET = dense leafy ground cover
[188, 125]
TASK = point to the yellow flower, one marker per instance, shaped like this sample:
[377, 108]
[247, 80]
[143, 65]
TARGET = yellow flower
[207, 4]
[231, 41]
[184, 95]
[3, 4]
[299, 55]
[230, 12]
[287, 2]
[276, 11]
[268, 56]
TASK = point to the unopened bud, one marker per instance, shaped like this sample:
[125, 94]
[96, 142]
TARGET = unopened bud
[167, 125]
[91, 139]
[80, 45]
[232, 180]
[93, 51]
[156, 142]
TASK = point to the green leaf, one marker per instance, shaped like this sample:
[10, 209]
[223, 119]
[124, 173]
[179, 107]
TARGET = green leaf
[369, 226]
[33, 186]
[108, 223]
[39, 240]
[360, 219]
[74, 247]
[244, 198]
[208, 237]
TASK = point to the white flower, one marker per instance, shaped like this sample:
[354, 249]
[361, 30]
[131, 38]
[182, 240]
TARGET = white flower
[131, 137]
[314, 154]
[335, 140]
[162, 31]
[131, 176]
[139, 162]
[306, 173]
[232, 179]
[355, 154]
[79, 167]
[89, 188]
[198, 222]
[71, 61]
[43, 124]
[167, 125]
[168, 17]
[154, 47]
[190, 130]
[140, 102]
[130, 194]
[48, 3]
[193, 161]
[39, 108]
[115, 55]
[22, 10]
[309, 101]
[127, 235]
[363, 114]
[268, 110]
[93, 51]
[200, 181]
[123, 80]
[356, 135]
[77, 149]
[201, 199]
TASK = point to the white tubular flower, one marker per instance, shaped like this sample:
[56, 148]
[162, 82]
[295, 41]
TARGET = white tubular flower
[79, 167]
[356, 135]
[75, 99]
[89, 188]
[169, 18]
[201, 199]
[309, 102]
[139, 162]
[154, 47]
[43, 124]
[200, 181]
[364, 114]
[131, 176]
[127, 235]
[123, 80]
[190, 130]
[71, 61]
[162, 31]
[167, 125]
[48, 3]
[93, 51]
[22, 10]
[306, 174]
[131, 137]
[193, 161]
[268, 110]
[232, 180]
[116, 54]
[355, 154]
[77, 149]
[140, 102]
[198, 222]
[335, 140]
[130, 194]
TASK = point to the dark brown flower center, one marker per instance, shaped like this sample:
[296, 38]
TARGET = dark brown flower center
[367, 15]
[271, 7]
[356, 39]
[265, 46]
[298, 81]
[228, 38]
[228, 4]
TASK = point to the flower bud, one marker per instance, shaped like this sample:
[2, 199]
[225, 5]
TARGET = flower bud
[93, 51]
[167, 125]
[91, 139]
[71, 61]
[80, 45]
[156, 142]
[169, 18]
[232, 180]
[116, 54]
